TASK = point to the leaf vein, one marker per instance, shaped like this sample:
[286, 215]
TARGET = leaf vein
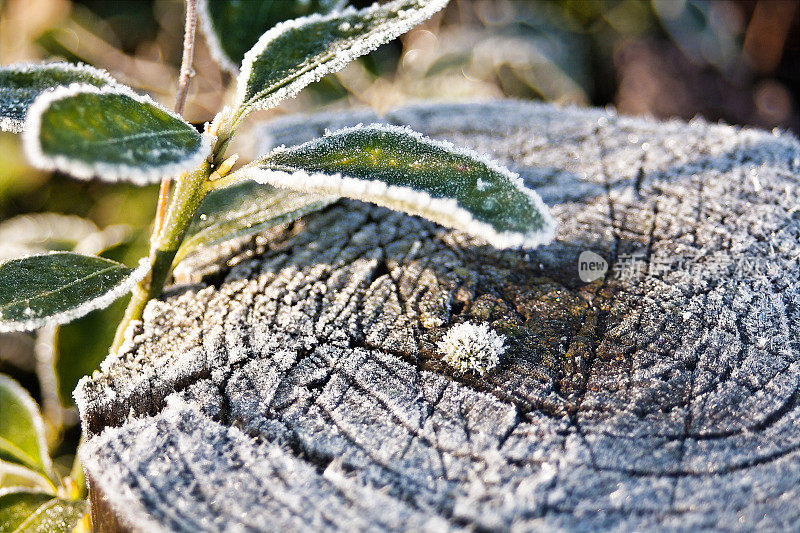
[138, 136]
[62, 287]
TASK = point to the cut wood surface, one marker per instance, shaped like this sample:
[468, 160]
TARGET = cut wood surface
[295, 382]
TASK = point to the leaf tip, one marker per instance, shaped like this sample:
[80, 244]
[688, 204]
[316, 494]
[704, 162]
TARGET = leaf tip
[106, 171]
[23, 82]
[212, 39]
[409, 14]
[68, 314]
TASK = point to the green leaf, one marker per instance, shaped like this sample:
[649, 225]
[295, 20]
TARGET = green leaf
[402, 170]
[243, 209]
[232, 27]
[14, 475]
[21, 83]
[30, 511]
[59, 287]
[298, 52]
[17, 506]
[22, 438]
[112, 134]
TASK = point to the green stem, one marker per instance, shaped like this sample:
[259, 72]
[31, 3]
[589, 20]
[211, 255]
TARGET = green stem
[190, 190]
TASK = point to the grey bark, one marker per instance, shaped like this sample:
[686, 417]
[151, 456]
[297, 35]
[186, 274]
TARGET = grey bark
[298, 384]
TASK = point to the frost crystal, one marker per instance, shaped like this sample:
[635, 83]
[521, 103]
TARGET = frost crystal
[472, 347]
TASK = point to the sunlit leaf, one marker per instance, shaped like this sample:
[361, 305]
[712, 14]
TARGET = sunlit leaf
[21, 83]
[60, 287]
[42, 232]
[45, 232]
[298, 52]
[246, 208]
[29, 512]
[22, 438]
[232, 27]
[111, 134]
[402, 170]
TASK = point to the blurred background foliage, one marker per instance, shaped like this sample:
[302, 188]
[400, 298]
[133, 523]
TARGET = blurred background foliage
[730, 60]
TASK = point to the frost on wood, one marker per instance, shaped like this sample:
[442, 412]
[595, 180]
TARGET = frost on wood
[298, 52]
[60, 287]
[22, 83]
[110, 133]
[470, 347]
[401, 169]
[667, 401]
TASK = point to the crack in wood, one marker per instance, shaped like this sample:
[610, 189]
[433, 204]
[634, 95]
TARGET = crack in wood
[303, 383]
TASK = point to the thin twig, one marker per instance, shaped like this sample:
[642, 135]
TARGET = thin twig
[180, 99]
[188, 54]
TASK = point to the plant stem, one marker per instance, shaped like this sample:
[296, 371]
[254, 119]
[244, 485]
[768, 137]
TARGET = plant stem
[168, 232]
[180, 98]
[189, 193]
[188, 55]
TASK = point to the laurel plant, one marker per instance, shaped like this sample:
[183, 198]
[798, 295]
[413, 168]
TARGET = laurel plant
[80, 121]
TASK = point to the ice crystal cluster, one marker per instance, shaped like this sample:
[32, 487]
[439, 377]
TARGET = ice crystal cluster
[470, 347]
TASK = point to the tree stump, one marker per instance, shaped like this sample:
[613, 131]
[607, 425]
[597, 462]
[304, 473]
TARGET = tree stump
[296, 382]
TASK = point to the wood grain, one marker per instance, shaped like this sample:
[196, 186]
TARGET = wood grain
[294, 381]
